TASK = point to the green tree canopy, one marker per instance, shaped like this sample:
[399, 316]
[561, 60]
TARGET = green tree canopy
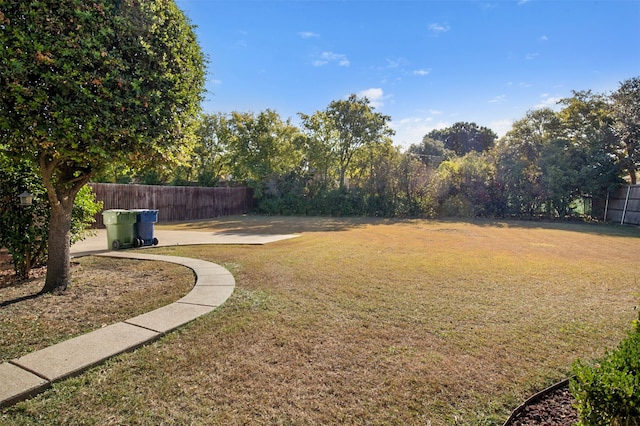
[430, 151]
[463, 138]
[517, 155]
[347, 125]
[85, 84]
[626, 112]
[320, 147]
[587, 124]
[260, 145]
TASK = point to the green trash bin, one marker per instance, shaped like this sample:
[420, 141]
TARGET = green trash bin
[119, 224]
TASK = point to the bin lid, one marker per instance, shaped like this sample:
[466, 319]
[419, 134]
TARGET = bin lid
[117, 212]
[146, 215]
[118, 216]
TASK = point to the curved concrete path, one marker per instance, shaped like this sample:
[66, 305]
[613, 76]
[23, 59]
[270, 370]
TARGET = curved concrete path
[28, 375]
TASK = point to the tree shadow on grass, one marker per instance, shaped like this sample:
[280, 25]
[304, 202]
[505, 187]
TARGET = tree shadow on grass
[594, 228]
[6, 303]
[273, 225]
[12, 284]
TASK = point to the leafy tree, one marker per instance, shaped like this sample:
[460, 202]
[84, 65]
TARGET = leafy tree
[209, 154]
[516, 156]
[413, 179]
[260, 145]
[355, 125]
[319, 145]
[430, 151]
[463, 138]
[463, 186]
[626, 112]
[85, 84]
[560, 164]
[375, 173]
[587, 125]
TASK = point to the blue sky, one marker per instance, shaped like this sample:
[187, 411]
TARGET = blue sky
[425, 63]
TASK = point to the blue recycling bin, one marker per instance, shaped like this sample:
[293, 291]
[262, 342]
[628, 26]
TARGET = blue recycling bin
[143, 228]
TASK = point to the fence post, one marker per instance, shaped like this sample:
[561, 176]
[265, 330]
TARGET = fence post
[626, 202]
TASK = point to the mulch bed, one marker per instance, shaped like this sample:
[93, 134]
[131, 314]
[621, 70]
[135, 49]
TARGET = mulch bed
[551, 407]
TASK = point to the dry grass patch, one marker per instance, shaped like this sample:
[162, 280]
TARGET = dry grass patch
[103, 291]
[383, 322]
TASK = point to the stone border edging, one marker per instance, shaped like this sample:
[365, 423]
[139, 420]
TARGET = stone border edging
[33, 373]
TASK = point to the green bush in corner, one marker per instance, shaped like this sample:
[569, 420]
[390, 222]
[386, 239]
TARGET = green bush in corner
[608, 392]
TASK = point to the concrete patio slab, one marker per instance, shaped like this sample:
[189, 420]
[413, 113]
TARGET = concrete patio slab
[18, 384]
[75, 355]
[170, 317]
[98, 242]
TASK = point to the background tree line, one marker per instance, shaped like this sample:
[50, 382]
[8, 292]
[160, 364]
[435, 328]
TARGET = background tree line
[341, 160]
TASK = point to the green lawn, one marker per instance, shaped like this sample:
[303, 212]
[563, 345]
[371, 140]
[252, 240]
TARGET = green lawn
[371, 322]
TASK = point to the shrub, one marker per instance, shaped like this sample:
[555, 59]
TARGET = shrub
[457, 206]
[608, 392]
[24, 229]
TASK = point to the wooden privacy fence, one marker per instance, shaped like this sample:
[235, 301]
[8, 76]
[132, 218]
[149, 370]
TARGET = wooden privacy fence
[623, 205]
[174, 203]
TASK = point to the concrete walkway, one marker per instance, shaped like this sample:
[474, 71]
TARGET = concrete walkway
[28, 375]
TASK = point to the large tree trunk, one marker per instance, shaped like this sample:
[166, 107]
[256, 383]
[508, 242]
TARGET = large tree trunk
[58, 266]
[62, 184]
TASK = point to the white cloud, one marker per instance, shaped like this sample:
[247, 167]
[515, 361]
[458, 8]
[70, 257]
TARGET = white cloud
[330, 57]
[308, 34]
[422, 72]
[392, 63]
[411, 130]
[501, 127]
[531, 56]
[498, 99]
[437, 28]
[544, 38]
[521, 2]
[548, 101]
[375, 96]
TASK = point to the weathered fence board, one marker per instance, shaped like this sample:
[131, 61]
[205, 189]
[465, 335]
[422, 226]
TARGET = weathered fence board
[623, 205]
[174, 203]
